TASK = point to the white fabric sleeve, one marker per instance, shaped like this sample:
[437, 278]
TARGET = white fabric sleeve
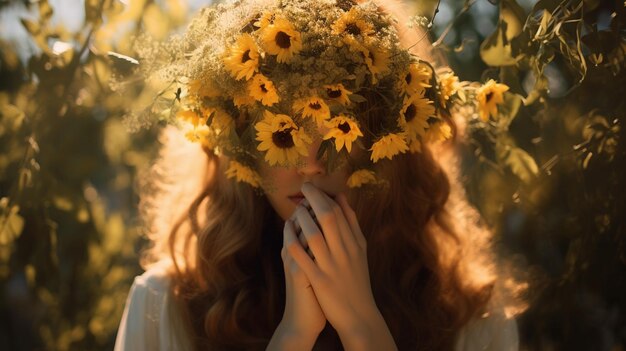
[151, 319]
[492, 332]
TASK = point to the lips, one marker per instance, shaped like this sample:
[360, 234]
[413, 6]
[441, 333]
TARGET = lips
[297, 197]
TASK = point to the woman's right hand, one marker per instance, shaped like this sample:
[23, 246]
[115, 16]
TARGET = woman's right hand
[303, 319]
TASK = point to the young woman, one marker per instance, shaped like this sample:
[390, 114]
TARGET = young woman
[316, 210]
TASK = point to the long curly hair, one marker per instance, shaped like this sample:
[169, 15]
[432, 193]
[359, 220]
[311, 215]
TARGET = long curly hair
[432, 264]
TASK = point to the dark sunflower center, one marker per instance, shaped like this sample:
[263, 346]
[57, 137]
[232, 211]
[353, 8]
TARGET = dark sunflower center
[283, 40]
[489, 96]
[353, 29]
[410, 113]
[408, 78]
[263, 88]
[315, 106]
[245, 57]
[334, 93]
[283, 139]
[344, 127]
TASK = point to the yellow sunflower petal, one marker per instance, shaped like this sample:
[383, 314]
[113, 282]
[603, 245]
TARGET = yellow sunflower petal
[281, 39]
[489, 96]
[339, 93]
[243, 174]
[262, 89]
[360, 177]
[284, 142]
[415, 113]
[242, 59]
[352, 24]
[417, 78]
[388, 146]
[313, 107]
[344, 130]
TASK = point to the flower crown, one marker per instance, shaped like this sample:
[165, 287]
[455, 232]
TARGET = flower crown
[260, 78]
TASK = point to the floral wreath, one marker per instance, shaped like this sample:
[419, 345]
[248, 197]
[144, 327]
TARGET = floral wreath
[257, 78]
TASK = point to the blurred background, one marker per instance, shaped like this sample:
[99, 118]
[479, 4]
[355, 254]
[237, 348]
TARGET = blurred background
[548, 175]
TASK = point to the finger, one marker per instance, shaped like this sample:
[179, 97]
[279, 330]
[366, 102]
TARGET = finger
[342, 200]
[293, 273]
[305, 244]
[313, 234]
[308, 207]
[325, 217]
[345, 230]
[297, 253]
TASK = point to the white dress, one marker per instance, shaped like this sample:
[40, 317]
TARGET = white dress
[152, 322]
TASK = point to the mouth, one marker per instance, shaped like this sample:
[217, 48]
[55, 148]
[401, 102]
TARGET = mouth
[296, 198]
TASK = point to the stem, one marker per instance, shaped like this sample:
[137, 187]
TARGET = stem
[445, 32]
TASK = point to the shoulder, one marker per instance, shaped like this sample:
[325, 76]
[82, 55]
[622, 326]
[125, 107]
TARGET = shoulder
[152, 318]
[156, 279]
[493, 330]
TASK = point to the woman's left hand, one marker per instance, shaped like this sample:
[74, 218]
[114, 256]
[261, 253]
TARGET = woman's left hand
[340, 275]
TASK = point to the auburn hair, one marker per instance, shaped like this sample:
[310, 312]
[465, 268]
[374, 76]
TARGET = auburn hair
[431, 262]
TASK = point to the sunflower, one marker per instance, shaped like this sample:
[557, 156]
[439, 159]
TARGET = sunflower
[448, 86]
[203, 135]
[438, 132]
[222, 122]
[281, 39]
[345, 130]
[415, 145]
[417, 78]
[360, 177]
[388, 146]
[376, 59]
[281, 138]
[415, 113]
[191, 116]
[313, 107]
[262, 89]
[243, 100]
[243, 174]
[264, 20]
[489, 96]
[202, 89]
[242, 59]
[338, 93]
[351, 24]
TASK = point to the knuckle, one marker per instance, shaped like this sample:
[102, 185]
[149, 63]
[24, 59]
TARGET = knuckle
[327, 217]
[291, 248]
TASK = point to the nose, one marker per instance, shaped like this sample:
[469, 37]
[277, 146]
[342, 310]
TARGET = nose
[312, 166]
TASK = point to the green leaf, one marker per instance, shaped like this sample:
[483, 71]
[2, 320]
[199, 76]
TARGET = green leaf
[323, 147]
[11, 116]
[496, 49]
[11, 223]
[357, 98]
[507, 111]
[523, 165]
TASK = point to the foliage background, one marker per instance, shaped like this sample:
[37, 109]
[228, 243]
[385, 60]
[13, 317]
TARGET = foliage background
[548, 174]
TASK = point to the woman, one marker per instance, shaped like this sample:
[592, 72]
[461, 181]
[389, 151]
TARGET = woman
[312, 212]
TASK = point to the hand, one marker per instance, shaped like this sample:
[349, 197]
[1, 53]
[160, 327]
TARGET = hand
[339, 275]
[303, 315]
